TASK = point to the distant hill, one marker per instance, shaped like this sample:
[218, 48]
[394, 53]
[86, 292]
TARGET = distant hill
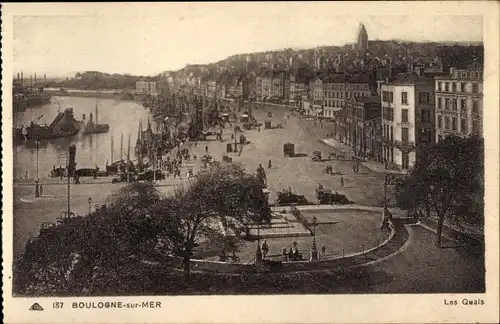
[93, 80]
[398, 52]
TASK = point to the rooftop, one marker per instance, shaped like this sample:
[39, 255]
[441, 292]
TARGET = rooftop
[368, 99]
[409, 78]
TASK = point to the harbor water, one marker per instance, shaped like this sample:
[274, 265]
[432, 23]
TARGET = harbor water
[122, 116]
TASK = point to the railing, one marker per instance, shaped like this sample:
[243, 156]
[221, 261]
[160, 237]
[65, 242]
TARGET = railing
[388, 141]
[405, 145]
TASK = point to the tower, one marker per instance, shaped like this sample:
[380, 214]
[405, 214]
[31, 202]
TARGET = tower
[362, 40]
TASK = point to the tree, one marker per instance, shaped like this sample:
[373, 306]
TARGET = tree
[218, 203]
[86, 254]
[448, 180]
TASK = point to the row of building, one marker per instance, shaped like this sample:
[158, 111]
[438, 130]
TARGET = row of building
[396, 120]
[384, 115]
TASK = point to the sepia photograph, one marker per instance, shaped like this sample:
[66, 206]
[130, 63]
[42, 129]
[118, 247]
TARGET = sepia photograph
[256, 149]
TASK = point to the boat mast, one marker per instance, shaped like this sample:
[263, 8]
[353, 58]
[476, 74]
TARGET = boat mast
[121, 148]
[128, 149]
[111, 148]
[96, 113]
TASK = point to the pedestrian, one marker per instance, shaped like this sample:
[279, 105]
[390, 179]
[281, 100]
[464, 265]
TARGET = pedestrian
[26, 175]
[342, 181]
[265, 249]
[269, 165]
[323, 249]
[206, 148]
[41, 190]
[285, 254]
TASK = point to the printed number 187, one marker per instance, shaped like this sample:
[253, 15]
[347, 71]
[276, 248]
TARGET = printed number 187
[57, 305]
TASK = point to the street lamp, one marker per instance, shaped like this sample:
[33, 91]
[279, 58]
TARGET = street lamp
[386, 182]
[314, 249]
[90, 202]
[258, 252]
[37, 147]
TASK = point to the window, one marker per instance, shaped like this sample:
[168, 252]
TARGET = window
[440, 122]
[423, 97]
[475, 107]
[446, 103]
[392, 133]
[475, 88]
[446, 87]
[406, 161]
[463, 125]
[454, 123]
[454, 86]
[440, 103]
[404, 135]
[475, 126]
[463, 104]
[404, 98]
[447, 122]
[423, 116]
[454, 104]
[404, 115]
[440, 86]
[462, 86]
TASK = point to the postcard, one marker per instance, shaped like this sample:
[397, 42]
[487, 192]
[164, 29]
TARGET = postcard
[250, 162]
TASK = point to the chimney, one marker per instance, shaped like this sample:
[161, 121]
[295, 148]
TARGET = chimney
[90, 116]
[22, 78]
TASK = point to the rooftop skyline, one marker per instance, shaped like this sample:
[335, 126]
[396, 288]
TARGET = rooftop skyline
[179, 34]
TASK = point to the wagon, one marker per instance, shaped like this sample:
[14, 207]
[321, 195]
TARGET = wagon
[289, 149]
[316, 156]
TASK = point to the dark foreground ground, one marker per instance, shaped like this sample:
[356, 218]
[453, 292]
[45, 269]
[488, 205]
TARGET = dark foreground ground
[419, 267]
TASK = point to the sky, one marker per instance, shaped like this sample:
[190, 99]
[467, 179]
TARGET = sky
[171, 36]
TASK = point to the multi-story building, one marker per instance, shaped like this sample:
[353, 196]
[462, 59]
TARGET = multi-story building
[264, 85]
[210, 87]
[459, 102]
[301, 87]
[346, 88]
[363, 129]
[316, 95]
[289, 88]
[407, 118]
[333, 89]
[277, 86]
[146, 87]
[359, 85]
